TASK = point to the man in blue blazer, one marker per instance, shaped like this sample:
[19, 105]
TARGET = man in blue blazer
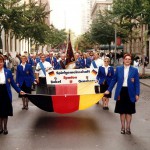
[127, 92]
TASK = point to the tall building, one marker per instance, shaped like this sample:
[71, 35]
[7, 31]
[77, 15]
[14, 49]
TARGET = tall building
[100, 5]
[86, 15]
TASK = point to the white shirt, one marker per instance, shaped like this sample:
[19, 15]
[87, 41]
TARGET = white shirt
[46, 65]
[23, 65]
[126, 73]
[2, 77]
[106, 69]
[136, 65]
[99, 62]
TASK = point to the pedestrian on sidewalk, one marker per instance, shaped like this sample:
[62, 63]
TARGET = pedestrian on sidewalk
[127, 92]
[6, 109]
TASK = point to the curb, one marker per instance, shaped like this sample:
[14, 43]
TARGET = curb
[145, 84]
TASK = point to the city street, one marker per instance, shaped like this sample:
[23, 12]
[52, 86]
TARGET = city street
[91, 129]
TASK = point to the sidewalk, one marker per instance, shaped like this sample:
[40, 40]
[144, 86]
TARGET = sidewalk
[145, 82]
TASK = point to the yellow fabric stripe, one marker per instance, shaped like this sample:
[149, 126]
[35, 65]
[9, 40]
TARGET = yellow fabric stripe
[85, 88]
[89, 100]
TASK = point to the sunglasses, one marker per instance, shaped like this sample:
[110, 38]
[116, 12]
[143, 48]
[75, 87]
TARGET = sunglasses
[106, 61]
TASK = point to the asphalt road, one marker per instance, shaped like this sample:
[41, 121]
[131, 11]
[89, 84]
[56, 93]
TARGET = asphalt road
[91, 129]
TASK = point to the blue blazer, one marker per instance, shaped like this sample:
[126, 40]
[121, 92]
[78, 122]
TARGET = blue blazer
[10, 81]
[30, 61]
[101, 75]
[25, 75]
[133, 82]
[55, 65]
[85, 64]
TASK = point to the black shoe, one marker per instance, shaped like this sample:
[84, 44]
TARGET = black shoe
[26, 108]
[5, 132]
[1, 131]
[122, 131]
[23, 107]
[106, 108]
[128, 131]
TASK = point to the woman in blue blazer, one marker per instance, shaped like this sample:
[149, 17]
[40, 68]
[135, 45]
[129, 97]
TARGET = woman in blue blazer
[24, 79]
[104, 77]
[6, 79]
[127, 92]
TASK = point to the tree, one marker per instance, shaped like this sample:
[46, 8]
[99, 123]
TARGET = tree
[102, 30]
[84, 42]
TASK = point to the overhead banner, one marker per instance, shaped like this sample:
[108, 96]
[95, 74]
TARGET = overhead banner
[70, 76]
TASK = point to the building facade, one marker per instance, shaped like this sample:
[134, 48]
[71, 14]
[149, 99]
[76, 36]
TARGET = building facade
[100, 5]
[13, 45]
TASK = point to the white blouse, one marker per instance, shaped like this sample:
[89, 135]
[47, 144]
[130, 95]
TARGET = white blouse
[2, 77]
[106, 69]
[126, 73]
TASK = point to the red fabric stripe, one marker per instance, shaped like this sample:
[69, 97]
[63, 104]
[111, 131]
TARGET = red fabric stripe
[63, 89]
[68, 104]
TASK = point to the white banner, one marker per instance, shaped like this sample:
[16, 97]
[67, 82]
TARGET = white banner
[71, 76]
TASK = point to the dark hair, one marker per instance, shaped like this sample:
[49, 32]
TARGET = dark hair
[2, 57]
[127, 54]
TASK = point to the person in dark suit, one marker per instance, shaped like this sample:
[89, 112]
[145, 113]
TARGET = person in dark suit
[104, 77]
[127, 92]
[62, 63]
[6, 109]
[24, 79]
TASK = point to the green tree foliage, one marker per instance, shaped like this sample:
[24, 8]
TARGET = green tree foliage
[102, 29]
[84, 42]
[27, 21]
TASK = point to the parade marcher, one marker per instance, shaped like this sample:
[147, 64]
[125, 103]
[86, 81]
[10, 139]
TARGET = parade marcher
[52, 60]
[104, 77]
[77, 61]
[127, 92]
[62, 63]
[96, 63]
[24, 79]
[6, 79]
[40, 73]
[85, 61]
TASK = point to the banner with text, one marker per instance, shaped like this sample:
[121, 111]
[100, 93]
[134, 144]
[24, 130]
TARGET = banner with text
[71, 76]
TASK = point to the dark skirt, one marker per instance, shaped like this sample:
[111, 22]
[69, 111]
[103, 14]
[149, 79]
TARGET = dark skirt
[6, 108]
[125, 105]
[103, 88]
[25, 89]
[42, 86]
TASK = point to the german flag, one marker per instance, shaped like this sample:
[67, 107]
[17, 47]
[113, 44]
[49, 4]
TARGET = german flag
[67, 98]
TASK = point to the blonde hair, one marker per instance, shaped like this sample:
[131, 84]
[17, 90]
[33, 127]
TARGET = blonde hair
[23, 56]
[107, 58]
